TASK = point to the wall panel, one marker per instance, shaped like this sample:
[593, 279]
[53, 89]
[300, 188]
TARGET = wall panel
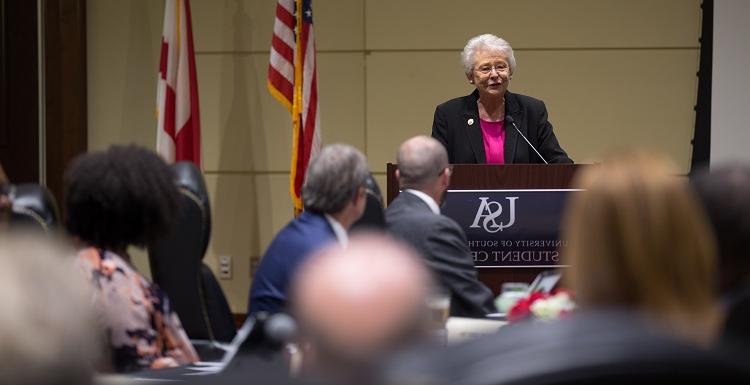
[539, 24]
[123, 58]
[246, 25]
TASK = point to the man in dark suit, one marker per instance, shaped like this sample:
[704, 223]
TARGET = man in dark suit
[414, 216]
[334, 198]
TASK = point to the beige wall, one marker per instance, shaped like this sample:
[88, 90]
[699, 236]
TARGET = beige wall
[613, 73]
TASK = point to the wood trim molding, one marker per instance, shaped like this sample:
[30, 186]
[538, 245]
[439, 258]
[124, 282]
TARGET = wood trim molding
[65, 87]
[19, 90]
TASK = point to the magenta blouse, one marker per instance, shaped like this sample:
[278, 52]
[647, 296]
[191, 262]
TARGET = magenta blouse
[493, 134]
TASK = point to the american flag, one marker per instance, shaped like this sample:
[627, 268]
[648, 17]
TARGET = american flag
[178, 135]
[292, 79]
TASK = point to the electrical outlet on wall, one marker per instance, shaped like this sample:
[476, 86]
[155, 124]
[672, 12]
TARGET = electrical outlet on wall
[225, 267]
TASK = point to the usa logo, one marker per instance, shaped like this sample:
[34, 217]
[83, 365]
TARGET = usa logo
[489, 214]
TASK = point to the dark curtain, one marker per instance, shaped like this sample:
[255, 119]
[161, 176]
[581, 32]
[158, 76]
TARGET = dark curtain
[702, 136]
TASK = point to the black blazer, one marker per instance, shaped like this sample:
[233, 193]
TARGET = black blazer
[464, 141]
[443, 245]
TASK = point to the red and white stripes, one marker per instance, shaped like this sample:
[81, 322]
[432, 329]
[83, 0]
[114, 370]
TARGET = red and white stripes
[178, 127]
[292, 79]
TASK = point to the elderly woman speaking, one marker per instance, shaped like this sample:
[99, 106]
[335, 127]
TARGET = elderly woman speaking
[493, 125]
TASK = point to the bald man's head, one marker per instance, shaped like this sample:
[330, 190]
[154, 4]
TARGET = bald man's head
[358, 303]
[421, 160]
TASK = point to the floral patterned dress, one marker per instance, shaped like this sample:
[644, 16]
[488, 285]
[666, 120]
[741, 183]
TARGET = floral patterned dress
[142, 329]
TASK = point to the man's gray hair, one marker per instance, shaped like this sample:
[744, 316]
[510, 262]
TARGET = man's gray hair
[421, 159]
[333, 178]
[487, 42]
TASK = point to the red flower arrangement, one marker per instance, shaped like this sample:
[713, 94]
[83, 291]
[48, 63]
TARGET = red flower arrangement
[543, 306]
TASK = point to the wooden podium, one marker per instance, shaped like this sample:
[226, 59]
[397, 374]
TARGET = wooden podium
[501, 177]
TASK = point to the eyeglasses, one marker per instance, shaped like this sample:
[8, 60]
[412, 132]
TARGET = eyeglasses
[487, 69]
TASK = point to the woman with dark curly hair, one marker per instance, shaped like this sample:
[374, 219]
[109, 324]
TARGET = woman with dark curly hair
[120, 197]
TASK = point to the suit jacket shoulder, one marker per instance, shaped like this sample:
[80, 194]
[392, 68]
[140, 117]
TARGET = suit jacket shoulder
[458, 103]
[527, 101]
[289, 249]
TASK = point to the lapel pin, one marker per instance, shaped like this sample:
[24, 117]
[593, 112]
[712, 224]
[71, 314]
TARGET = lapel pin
[470, 121]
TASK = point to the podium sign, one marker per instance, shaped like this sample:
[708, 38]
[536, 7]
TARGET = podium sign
[510, 227]
[541, 190]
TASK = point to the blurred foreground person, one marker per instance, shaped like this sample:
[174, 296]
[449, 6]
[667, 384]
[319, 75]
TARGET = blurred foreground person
[47, 327]
[114, 199]
[334, 198]
[638, 240]
[358, 304]
[5, 203]
[725, 194]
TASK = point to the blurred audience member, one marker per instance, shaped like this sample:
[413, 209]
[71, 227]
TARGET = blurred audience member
[334, 198]
[414, 216]
[725, 193]
[5, 203]
[47, 326]
[114, 199]
[637, 240]
[358, 304]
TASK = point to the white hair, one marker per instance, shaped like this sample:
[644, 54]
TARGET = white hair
[488, 42]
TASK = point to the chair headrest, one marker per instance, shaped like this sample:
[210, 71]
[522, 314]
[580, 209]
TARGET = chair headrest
[33, 207]
[192, 186]
[373, 189]
[589, 347]
[374, 217]
[189, 177]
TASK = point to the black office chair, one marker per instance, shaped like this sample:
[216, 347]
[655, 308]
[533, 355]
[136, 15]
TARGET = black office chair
[735, 335]
[602, 347]
[177, 263]
[34, 208]
[374, 217]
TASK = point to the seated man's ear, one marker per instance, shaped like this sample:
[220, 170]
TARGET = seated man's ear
[360, 197]
[447, 174]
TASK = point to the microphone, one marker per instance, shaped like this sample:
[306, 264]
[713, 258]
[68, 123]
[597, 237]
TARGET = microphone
[510, 120]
